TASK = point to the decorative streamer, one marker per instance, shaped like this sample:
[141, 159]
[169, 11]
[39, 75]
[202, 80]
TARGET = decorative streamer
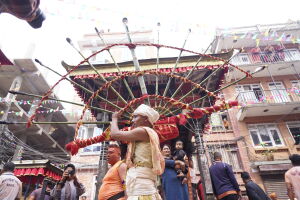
[165, 127]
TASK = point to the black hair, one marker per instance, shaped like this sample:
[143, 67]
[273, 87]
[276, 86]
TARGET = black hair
[123, 148]
[295, 159]
[179, 140]
[167, 146]
[50, 184]
[9, 166]
[245, 175]
[113, 146]
[72, 166]
[217, 155]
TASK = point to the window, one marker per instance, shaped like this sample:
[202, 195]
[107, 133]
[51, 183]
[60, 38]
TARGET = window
[265, 135]
[294, 128]
[241, 59]
[292, 54]
[229, 154]
[279, 92]
[251, 92]
[86, 132]
[219, 122]
[296, 84]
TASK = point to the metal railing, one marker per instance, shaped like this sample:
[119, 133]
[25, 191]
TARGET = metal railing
[269, 96]
[287, 55]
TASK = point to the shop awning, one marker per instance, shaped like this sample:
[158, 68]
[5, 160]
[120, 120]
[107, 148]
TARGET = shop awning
[269, 167]
[34, 171]
[37, 172]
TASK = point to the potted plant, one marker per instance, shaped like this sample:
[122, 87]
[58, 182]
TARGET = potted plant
[267, 152]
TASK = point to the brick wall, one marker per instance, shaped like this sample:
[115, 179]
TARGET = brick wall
[248, 153]
[87, 169]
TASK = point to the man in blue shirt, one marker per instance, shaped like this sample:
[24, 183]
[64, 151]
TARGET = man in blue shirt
[224, 184]
[254, 192]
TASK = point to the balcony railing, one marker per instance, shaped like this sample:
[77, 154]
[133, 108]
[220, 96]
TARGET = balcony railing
[269, 96]
[264, 57]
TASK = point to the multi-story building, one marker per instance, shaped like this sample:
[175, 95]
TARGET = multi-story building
[266, 127]
[41, 143]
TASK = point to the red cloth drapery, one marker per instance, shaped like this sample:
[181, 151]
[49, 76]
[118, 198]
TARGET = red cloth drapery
[166, 70]
[4, 60]
[34, 175]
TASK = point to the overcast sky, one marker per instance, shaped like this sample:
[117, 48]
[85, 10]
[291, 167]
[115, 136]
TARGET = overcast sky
[73, 18]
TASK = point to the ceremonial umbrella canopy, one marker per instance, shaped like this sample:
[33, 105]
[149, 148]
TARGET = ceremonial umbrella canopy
[182, 89]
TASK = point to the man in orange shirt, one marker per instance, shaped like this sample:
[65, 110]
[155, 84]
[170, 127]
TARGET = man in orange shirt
[113, 183]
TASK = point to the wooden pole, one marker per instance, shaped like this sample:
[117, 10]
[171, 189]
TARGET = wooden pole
[213, 73]
[135, 61]
[85, 122]
[188, 75]
[218, 90]
[175, 66]
[191, 71]
[157, 62]
[59, 100]
[95, 70]
[74, 83]
[116, 64]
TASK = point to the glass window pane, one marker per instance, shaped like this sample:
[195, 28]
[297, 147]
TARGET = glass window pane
[235, 160]
[96, 148]
[238, 88]
[247, 87]
[97, 131]
[87, 149]
[255, 138]
[276, 137]
[264, 135]
[296, 134]
[82, 131]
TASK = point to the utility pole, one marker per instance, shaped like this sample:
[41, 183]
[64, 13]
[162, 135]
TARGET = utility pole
[102, 168]
[200, 152]
[102, 165]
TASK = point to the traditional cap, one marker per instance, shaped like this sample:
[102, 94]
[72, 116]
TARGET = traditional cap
[147, 111]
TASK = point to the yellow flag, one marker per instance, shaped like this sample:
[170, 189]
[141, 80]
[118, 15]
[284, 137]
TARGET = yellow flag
[257, 42]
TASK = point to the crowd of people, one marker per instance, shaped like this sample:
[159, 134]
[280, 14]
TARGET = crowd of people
[150, 173]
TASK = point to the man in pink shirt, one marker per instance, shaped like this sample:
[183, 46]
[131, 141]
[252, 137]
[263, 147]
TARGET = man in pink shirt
[292, 178]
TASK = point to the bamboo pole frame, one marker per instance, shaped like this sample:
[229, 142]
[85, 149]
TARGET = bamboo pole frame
[74, 83]
[175, 66]
[135, 60]
[157, 62]
[59, 100]
[116, 64]
[220, 89]
[203, 81]
[190, 72]
[83, 122]
[95, 70]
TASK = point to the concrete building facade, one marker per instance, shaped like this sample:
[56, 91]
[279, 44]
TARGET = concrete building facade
[267, 124]
[39, 144]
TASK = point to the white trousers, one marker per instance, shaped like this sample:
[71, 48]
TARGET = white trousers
[141, 181]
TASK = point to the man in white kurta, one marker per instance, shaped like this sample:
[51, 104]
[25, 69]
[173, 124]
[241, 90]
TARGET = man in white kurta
[144, 158]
